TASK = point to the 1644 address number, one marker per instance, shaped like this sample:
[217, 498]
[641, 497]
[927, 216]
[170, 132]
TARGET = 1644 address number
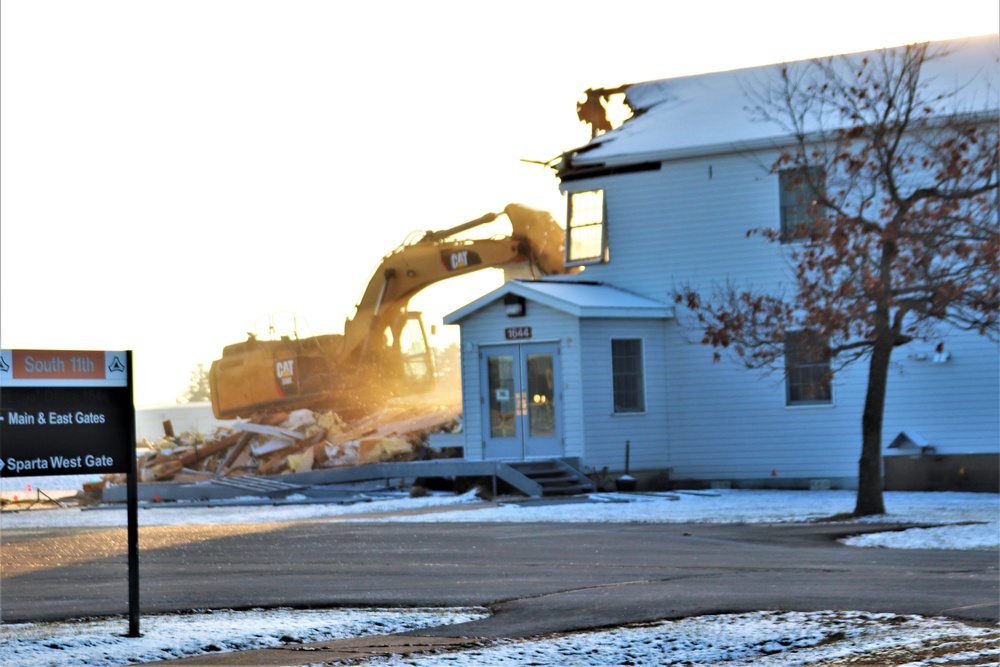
[517, 333]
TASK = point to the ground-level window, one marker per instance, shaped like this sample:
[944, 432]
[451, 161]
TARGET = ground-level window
[627, 375]
[797, 197]
[586, 234]
[807, 369]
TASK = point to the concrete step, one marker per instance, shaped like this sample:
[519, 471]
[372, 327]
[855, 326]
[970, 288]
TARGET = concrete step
[556, 477]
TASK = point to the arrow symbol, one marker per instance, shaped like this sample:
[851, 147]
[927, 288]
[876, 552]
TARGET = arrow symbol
[1, 464]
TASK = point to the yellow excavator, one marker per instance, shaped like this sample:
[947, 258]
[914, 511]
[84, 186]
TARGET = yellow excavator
[383, 353]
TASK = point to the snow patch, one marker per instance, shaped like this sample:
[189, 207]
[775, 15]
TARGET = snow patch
[102, 642]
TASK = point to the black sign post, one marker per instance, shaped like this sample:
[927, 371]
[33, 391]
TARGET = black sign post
[71, 412]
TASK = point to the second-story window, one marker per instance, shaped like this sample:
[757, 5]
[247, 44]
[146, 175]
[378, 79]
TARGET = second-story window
[798, 187]
[586, 234]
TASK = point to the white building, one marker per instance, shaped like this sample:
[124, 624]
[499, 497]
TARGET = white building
[590, 365]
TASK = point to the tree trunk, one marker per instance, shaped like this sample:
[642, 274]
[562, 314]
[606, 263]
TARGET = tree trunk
[869, 499]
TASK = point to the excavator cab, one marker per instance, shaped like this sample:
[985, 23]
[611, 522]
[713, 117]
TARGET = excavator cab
[416, 360]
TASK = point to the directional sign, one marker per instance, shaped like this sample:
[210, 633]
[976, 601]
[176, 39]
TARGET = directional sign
[70, 412]
[65, 412]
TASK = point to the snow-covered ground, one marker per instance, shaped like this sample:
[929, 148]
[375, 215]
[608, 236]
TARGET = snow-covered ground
[95, 642]
[768, 639]
[967, 521]
[763, 639]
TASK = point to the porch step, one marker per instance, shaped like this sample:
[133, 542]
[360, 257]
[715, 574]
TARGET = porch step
[555, 476]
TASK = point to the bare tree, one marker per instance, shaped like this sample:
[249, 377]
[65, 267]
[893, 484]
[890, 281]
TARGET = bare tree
[892, 228]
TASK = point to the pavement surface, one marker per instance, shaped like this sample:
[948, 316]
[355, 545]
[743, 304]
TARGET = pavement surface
[536, 579]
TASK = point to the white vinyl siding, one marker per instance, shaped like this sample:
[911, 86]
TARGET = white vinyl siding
[953, 405]
[679, 225]
[686, 225]
[607, 432]
[729, 423]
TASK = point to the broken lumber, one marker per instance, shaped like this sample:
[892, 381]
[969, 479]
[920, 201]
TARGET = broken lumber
[296, 441]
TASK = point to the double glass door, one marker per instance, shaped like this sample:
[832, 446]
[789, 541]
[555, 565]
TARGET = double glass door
[521, 401]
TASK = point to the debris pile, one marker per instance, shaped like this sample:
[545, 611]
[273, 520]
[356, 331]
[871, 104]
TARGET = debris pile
[297, 441]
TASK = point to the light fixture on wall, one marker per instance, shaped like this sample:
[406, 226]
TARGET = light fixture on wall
[514, 305]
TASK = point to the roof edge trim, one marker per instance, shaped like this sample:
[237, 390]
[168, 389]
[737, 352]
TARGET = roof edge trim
[777, 141]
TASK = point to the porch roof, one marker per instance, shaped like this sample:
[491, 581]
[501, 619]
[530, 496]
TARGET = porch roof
[575, 297]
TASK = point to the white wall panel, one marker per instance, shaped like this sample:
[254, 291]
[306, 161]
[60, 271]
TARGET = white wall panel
[687, 225]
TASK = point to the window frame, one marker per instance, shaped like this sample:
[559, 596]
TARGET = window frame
[800, 376]
[601, 255]
[637, 376]
[798, 198]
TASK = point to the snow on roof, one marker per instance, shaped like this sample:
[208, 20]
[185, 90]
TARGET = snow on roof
[577, 298]
[708, 113]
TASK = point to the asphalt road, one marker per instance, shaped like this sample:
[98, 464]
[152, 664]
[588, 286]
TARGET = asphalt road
[537, 578]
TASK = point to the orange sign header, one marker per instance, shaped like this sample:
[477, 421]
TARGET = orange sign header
[61, 367]
[58, 365]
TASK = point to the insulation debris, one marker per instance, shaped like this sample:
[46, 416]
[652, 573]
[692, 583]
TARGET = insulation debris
[282, 442]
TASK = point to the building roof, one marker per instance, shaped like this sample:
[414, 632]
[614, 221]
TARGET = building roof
[577, 298]
[709, 113]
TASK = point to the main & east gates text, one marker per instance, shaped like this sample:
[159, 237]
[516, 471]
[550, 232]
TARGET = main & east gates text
[54, 418]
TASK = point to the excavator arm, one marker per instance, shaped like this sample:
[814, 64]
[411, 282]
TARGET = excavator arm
[536, 240]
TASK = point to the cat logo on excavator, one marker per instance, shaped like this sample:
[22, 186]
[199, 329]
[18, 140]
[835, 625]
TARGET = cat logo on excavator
[284, 371]
[461, 259]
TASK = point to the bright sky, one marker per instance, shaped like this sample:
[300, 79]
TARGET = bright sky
[172, 171]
